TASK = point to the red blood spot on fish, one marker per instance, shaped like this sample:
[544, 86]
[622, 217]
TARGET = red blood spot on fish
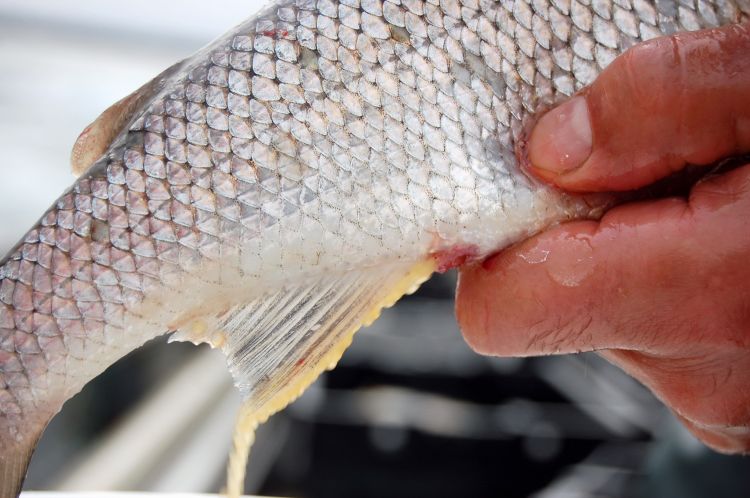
[454, 256]
[276, 33]
[300, 362]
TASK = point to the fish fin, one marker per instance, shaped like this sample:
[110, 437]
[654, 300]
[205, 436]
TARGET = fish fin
[96, 138]
[14, 462]
[278, 345]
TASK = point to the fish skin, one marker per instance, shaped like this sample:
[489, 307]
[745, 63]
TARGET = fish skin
[315, 139]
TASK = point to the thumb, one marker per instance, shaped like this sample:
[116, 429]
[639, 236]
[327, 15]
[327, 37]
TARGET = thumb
[661, 285]
[666, 103]
[646, 277]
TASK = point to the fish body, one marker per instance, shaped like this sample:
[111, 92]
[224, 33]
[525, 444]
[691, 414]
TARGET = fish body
[271, 193]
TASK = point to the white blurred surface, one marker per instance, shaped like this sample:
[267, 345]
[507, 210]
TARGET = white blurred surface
[196, 19]
[193, 410]
[63, 63]
[37, 494]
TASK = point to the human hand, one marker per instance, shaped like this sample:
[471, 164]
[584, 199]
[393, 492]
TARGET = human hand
[660, 288]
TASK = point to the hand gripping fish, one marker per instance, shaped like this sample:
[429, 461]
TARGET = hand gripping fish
[270, 194]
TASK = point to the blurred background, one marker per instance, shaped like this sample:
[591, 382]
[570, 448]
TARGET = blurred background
[409, 412]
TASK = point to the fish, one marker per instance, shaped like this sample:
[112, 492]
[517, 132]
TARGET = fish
[270, 194]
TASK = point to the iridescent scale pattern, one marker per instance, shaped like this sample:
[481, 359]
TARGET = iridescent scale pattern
[318, 136]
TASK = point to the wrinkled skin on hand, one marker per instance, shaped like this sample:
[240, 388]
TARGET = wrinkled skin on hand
[660, 288]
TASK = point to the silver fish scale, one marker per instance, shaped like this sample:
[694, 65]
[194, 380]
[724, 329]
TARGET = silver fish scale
[318, 136]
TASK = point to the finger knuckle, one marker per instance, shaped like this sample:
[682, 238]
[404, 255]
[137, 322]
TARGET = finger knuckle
[650, 72]
[561, 335]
